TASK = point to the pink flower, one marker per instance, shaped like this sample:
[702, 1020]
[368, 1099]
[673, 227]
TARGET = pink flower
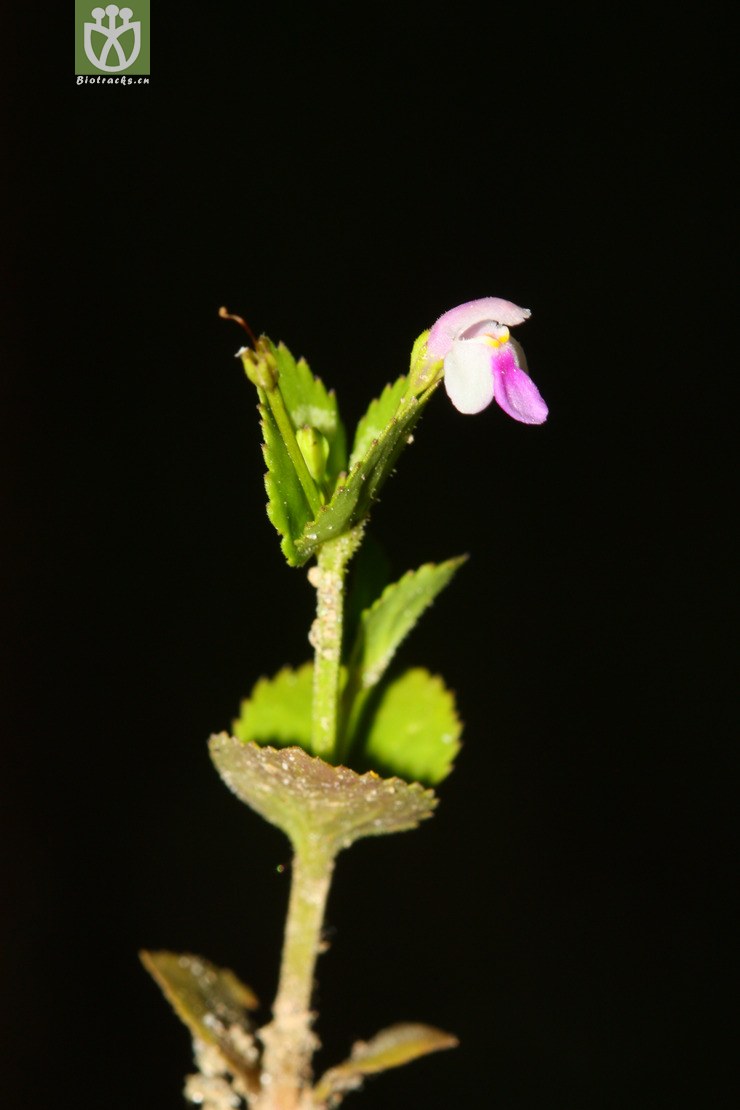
[482, 363]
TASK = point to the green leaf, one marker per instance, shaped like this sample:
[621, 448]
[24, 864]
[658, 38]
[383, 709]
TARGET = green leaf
[278, 711]
[306, 402]
[413, 730]
[377, 418]
[309, 403]
[382, 628]
[308, 798]
[212, 1002]
[393, 417]
[390, 619]
[369, 574]
[287, 507]
[392, 1047]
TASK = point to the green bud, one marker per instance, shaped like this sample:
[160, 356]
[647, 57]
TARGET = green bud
[315, 450]
[423, 371]
[418, 350]
[260, 367]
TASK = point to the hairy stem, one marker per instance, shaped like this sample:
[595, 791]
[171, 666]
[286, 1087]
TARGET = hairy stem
[326, 638]
[288, 1039]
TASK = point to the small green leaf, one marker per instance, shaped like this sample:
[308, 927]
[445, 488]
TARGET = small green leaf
[308, 798]
[390, 619]
[413, 732]
[377, 418]
[306, 402]
[287, 507]
[382, 628]
[212, 1002]
[309, 403]
[368, 576]
[392, 1047]
[278, 711]
[399, 409]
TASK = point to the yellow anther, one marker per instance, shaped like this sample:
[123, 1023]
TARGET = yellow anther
[497, 340]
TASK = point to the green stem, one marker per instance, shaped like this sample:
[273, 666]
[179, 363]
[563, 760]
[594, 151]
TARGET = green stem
[282, 418]
[326, 638]
[289, 1040]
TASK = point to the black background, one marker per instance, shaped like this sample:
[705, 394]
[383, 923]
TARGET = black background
[341, 178]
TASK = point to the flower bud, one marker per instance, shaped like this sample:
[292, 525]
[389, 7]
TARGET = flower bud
[423, 370]
[315, 450]
[259, 366]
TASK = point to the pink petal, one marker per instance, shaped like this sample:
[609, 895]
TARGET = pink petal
[469, 375]
[473, 314]
[514, 390]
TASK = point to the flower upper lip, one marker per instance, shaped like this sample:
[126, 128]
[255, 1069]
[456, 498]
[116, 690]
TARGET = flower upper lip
[471, 319]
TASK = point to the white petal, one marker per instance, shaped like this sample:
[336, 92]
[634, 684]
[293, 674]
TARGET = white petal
[469, 375]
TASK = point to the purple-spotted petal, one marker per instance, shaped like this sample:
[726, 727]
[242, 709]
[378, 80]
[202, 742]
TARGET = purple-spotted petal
[469, 375]
[472, 315]
[514, 390]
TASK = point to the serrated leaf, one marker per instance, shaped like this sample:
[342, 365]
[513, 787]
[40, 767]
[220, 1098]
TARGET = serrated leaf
[306, 402]
[413, 729]
[278, 711]
[369, 575]
[287, 507]
[306, 797]
[389, 620]
[382, 628]
[379, 414]
[353, 499]
[212, 1002]
[392, 1047]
